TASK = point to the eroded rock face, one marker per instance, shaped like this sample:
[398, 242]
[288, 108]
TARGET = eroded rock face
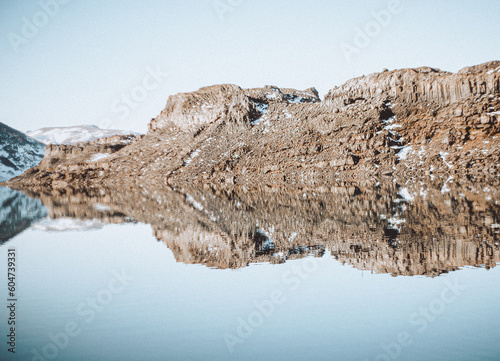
[56, 155]
[422, 125]
[426, 85]
[190, 111]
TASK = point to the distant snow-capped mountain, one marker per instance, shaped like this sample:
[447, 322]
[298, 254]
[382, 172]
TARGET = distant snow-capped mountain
[18, 152]
[74, 134]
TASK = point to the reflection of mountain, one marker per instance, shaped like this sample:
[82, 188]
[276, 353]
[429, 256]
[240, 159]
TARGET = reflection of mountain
[17, 212]
[385, 229]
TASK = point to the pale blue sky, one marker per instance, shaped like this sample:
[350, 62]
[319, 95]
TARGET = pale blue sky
[89, 54]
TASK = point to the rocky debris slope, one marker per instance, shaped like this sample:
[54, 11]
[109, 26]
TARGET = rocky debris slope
[18, 152]
[386, 229]
[421, 124]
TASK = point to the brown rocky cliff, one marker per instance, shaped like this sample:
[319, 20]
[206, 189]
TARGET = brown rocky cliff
[421, 124]
[425, 84]
[56, 154]
[190, 111]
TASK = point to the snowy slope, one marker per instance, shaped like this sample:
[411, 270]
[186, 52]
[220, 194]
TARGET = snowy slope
[18, 152]
[74, 134]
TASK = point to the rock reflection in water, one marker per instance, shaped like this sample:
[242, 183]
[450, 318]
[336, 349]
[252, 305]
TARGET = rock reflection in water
[384, 229]
[17, 212]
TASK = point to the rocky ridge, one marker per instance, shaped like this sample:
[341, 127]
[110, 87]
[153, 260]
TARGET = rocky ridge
[422, 124]
[425, 84]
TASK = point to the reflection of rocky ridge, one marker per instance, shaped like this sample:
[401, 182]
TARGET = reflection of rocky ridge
[17, 212]
[388, 229]
[429, 256]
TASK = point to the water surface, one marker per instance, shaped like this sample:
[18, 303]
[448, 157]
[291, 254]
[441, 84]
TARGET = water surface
[376, 273]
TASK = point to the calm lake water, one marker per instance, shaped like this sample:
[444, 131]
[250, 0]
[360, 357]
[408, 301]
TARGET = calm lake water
[347, 273]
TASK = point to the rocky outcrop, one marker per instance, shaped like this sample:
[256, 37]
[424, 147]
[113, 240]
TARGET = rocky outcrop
[56, 155]
[421, 124]
[78, 165]
[190, 111]
[420, 85]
